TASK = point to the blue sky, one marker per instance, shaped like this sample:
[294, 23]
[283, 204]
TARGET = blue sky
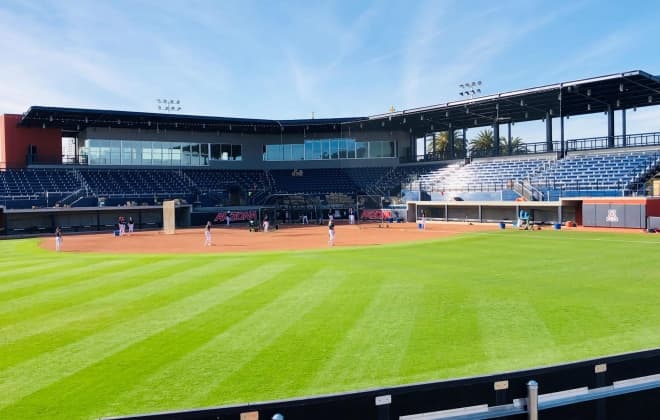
[290, 59]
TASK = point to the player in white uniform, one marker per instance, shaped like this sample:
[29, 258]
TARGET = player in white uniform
[58, 239]
[331, 233]
[207, 234]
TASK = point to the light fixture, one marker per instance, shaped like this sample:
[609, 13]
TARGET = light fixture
[229, 127]
[382, 123]
[620, 87]
[550, 111]
[421, 117]
[522, 102]
[404, 120]
[50, 118]
[618, 103]
[204, 126]
[650, 99]
[588, 107]
[431, 127]
[588, 92]
[43, 125]
[449, 125]
[526, 115]
[446, 114]
[475, 121]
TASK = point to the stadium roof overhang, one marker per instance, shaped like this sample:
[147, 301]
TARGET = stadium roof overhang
[74, 120]
[587, 96]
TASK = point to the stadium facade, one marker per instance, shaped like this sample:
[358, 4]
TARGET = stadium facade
[67, 157]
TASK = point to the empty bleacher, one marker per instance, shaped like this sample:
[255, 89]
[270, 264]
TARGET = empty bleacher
[598, 174]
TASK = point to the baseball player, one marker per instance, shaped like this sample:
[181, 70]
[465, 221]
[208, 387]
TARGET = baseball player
[58, 239]
[207, 234]
[331, 233]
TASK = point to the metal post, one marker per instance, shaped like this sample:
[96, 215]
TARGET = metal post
[532, 400]
[624, 140]
[548, 131]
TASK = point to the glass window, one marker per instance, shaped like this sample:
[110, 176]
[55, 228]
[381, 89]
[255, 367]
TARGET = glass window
[216, 153]
[350, 148]
[236, 152]
[362, 149]
[297, 152]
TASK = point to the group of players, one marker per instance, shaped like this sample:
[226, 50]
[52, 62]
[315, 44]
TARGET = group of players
[331, 230]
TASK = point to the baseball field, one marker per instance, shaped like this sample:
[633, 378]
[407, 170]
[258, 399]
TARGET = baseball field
[91, 334]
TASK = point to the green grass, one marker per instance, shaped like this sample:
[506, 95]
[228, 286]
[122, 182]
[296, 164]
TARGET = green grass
[90, 335]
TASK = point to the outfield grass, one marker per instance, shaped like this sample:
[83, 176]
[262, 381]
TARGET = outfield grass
[89, 335]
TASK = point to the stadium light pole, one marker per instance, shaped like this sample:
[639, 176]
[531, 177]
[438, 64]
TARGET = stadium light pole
[470, 89]
[169, 105]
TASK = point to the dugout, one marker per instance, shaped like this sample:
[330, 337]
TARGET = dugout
[540, 212]
[87, 219]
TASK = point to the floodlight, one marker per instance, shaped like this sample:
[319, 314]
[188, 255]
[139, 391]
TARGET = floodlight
[460, 93]
[620, 87]
[650, 98]
[588, 92]
[588, 107]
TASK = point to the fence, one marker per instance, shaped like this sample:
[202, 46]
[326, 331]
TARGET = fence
[615, 387]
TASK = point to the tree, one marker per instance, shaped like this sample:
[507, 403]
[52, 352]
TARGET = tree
[439, 145]
[482, 145]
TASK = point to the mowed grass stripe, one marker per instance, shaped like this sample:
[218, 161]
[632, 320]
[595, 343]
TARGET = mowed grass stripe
[28, 339]
[445, 333]
[382, 334]
[305, 346]
[62, 280]
[153, 281]
[122, 370]
[85, 286]
[196, 374]
[34, 374]
[53, 266]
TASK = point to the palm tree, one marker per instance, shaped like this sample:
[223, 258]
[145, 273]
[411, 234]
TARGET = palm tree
[482, 145]
[439, 144]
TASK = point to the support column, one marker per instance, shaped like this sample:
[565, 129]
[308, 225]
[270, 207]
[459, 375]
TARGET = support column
[610, 126]
[496, 139]
[465, 147]
[623, 128]
[561, 136]
[509, 149]
[450, 142]
[548, 131]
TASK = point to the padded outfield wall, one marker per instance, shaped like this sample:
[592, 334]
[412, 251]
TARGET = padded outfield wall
[87, 219]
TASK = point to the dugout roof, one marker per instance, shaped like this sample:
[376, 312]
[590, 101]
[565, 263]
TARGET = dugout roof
[586, 96]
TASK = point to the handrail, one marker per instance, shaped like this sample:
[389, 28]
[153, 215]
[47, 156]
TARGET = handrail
[545, 401]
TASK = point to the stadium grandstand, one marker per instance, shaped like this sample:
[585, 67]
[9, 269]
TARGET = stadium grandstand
[53, 157]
